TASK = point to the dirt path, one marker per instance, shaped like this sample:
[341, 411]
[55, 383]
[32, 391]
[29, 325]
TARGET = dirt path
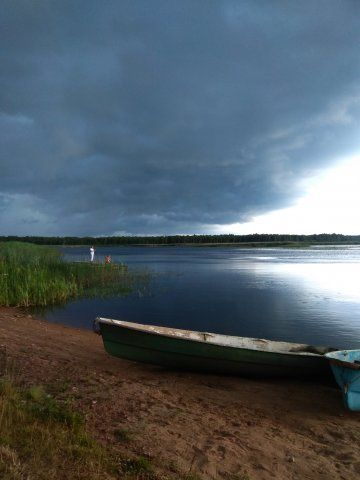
[212, 426]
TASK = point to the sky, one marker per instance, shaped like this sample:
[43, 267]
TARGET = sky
[179, 117]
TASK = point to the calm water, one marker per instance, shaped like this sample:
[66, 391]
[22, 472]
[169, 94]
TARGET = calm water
[310, 295]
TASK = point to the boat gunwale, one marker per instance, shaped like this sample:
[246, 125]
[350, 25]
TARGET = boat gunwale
[342, 363]
[138, 327]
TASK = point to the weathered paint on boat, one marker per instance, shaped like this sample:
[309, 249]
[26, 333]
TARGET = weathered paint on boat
[345, 365]
[186, 349]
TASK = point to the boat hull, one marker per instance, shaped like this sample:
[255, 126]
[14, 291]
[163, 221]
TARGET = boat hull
[347, 376]
[182, 353]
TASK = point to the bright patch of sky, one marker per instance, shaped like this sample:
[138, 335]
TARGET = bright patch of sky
[331, 204]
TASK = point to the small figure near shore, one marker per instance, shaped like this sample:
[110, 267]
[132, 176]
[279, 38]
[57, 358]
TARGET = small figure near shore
[92, 253]
[107, 259]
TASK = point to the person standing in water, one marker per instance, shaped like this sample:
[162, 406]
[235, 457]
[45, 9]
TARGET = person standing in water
[92, 253]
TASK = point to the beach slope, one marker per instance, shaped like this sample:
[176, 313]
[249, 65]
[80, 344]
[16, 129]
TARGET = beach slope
[213, 427]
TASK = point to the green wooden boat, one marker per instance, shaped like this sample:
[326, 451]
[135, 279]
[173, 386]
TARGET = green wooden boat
[211, 352]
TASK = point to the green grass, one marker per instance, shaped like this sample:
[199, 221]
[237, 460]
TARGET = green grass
[122, 435]
[43, 436]
[137, 466]
[45, 439]
[32, 275]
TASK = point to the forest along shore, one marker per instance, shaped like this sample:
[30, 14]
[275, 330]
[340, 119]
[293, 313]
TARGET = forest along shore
[185, 425]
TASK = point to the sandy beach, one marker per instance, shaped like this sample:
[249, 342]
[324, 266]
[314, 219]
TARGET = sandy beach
[215, 427]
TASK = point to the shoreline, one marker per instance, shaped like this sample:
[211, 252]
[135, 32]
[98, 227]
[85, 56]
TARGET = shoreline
[248, 244]
[216, 245]
[215, 427]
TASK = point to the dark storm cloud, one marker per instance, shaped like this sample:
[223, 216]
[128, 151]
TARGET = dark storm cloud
[169, 116]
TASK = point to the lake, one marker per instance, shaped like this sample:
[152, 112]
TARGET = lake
[309, 295]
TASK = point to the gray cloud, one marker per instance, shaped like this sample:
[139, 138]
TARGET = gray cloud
[169, 116]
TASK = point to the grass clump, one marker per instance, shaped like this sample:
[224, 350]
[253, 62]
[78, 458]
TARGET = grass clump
[33, 275]
[137, 466]
[122, 435]
[45, 439]
[44, 407]
[140, 469]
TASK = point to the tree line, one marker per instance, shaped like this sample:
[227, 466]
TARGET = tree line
[255, 238]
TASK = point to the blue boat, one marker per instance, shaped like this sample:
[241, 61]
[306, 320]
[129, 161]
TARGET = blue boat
[345, 365]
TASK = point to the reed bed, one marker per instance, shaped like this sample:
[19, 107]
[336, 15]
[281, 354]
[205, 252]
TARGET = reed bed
[32, 275]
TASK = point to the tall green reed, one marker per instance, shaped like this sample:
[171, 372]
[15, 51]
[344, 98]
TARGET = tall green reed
[32, 275]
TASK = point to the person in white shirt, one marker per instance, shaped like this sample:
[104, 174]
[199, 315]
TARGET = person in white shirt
[92, 254]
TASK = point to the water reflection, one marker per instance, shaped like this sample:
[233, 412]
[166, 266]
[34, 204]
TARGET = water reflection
[338, 281]
[309, 295]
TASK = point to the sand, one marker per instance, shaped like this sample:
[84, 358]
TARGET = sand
[214, 426]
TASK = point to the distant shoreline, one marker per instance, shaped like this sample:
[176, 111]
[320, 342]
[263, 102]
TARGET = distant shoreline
[217, 245]
[225, 240]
